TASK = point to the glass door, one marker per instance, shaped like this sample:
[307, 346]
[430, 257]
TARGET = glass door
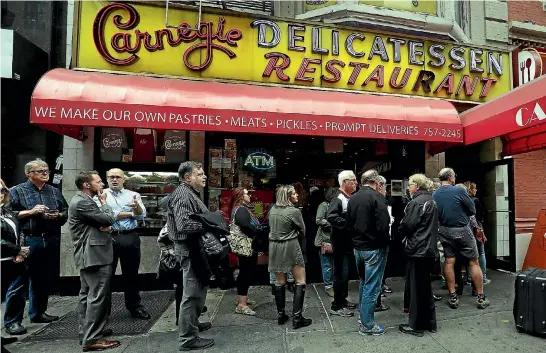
[497, 196]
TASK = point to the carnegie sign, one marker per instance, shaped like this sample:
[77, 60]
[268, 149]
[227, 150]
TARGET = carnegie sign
[133, 38]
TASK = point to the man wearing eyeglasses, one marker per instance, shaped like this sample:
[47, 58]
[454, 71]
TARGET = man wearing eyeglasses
[41, 210]
[128, 209]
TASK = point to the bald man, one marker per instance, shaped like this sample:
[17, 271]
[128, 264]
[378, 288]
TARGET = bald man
[128, 209]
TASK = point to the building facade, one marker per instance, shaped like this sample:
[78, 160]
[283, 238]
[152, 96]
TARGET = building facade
[432, 51]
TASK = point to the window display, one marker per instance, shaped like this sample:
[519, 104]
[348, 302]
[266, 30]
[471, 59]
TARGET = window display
[143, 146]
[152, 187]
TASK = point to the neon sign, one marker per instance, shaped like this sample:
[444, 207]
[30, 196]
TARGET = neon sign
[260, 161]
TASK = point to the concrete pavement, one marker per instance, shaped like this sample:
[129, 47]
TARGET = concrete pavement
[464, 330]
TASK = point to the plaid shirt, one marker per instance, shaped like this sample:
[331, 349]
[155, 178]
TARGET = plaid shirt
[183, 202]
[26, 196]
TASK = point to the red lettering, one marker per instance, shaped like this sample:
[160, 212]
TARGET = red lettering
[468, 88]
[377, 75]
[304, 68]
[488, 82]
[356, 71]
[424, 79]
[334, 71]
[447, 83]
[98, 30]
[403, 81]
[273, 64]
[121, 42]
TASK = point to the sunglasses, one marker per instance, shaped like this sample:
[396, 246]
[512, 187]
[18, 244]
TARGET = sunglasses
[4, 191]
[42, 171]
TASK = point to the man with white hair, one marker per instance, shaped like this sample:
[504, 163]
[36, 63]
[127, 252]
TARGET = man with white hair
[455, 207]
[368, 222]
[341, 244]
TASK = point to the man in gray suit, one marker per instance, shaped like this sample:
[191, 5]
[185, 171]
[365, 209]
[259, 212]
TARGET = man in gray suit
[93, 255]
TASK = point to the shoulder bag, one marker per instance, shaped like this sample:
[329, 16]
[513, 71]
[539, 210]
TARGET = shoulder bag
[240, 243]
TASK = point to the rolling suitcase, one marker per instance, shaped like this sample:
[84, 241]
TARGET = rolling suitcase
[530, 301]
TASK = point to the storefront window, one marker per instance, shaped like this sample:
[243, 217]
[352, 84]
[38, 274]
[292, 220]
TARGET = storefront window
[261, 162]
[143, 145]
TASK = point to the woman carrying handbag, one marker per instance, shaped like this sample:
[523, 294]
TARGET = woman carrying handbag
[243, 228]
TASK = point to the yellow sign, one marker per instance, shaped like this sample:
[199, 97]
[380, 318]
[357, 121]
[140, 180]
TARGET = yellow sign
[133, 38]
[424, 6]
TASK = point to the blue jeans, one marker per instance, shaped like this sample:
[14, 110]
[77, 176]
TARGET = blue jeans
[38, 273]
[371, 268]
[327, 265]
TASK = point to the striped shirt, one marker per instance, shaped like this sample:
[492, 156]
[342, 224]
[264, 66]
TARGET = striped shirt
[183, 202]
[26, 196]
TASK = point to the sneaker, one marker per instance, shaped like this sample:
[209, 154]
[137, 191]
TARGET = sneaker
[386, 289]
[245, 311]
[343, 312]
[474, 293]
[350, 305]
[453, 301]
[486, 281]
[376, 330]
[482, 302]
[444, 284]
[330, 292]
[382, 307]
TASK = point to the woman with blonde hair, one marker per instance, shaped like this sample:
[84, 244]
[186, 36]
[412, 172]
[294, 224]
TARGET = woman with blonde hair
[287, 234]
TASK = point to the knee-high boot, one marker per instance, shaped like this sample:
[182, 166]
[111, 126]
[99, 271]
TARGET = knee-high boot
[298, 320]
[280, 300]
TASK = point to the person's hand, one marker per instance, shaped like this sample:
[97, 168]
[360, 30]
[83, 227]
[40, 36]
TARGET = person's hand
[106, 229]
[102, 197]
[39, 209]
[24, 251]
[18, 259]
[134, 203]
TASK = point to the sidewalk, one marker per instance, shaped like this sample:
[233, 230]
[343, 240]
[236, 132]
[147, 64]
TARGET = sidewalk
[465, 330]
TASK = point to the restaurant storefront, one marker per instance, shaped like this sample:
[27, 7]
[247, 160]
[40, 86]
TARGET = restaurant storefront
[260, 101]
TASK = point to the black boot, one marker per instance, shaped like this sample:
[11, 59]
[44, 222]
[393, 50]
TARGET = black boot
[298, 320]
[280, 300]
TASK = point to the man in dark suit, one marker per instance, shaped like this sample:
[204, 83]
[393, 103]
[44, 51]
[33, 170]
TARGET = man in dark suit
[93, 254]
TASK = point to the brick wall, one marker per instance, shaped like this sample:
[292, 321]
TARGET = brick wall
[527, 10]
[530, 183]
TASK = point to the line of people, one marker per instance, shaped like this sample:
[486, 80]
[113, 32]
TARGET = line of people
[358, 224]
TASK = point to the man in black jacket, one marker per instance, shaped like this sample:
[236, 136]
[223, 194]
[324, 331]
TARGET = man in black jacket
[341, 244]
[368, 222]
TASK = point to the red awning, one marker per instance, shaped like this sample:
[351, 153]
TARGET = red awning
[517, 110]
[77, 98]
[526, 140]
